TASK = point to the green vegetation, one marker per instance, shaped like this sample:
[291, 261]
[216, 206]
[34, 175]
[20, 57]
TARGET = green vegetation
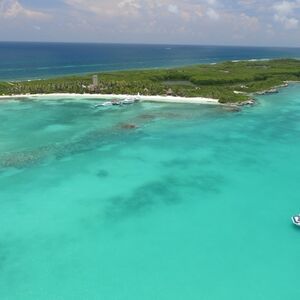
[221, 81]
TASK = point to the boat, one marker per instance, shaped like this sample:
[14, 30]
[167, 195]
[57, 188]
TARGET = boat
[128, 101]
[116, 102]
[296, 220]
[107, 103]
[131, 100]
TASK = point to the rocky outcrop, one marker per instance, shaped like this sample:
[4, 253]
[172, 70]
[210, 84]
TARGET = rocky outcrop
[271, 91]
[129, 126]
[232, 108]
[247, 102]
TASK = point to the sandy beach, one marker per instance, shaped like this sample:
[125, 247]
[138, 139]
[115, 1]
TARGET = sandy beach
[163, 99]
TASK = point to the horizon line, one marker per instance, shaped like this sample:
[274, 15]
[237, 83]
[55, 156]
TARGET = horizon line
[152, 44]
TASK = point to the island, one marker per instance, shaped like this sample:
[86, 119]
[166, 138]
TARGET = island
[232, 82]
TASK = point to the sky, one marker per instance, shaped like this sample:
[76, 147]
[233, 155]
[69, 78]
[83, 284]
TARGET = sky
[204, 22]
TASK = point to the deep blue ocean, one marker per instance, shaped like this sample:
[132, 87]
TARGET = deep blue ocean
[41, 60]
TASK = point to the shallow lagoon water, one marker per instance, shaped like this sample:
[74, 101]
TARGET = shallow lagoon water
[193, 203]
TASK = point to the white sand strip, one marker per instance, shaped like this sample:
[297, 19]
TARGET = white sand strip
[168, 99]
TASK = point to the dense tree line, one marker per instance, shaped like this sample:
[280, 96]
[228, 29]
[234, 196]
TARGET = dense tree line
[221, 81]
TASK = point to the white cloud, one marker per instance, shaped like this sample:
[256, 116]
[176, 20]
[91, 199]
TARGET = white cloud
[288, 23]
[106, 9]
[12, 9]
[291, 23]
[129, 3]
[177, 20]
[247, 2]
[173, 9]
[285, 13]
[212, 2]
[212, 14]
[284, 8]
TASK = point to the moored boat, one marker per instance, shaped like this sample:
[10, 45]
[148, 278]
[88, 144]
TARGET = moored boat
[131, 100]
[128, 101]
[116, 102]
[107, 103]
[296, 220]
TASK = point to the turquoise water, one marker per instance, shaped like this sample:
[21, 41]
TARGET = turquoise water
[194, 203]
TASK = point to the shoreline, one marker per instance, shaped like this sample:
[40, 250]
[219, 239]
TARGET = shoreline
[233, 84]
[157, 98]
[142, 98]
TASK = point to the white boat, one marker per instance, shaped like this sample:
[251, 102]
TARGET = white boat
[296, 220]
[116, 102]
[131, 100]
[107, 103]
[128, 101]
